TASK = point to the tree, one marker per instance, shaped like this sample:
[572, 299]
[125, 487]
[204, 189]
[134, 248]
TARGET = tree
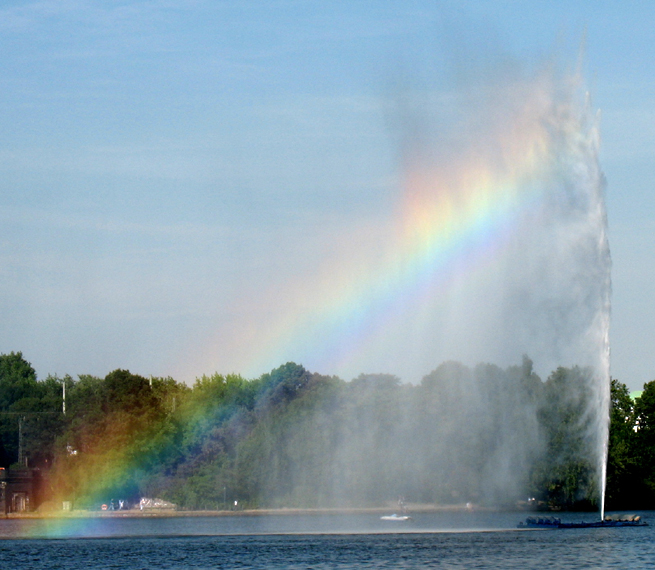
[566, 474]
[19, 393]
[621, 463]
[644, 444]
[119, 435]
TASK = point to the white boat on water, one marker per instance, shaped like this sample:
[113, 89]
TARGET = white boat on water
[395, 517]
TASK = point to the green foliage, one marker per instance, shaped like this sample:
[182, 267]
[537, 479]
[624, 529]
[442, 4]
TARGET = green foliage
[644, 443]
[565, 476]
[21, 396]
[299, 439]
[621, 464]
[17, 380]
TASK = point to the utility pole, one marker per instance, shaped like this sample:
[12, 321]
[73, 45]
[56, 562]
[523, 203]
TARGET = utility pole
[63, 400]
[21, 452]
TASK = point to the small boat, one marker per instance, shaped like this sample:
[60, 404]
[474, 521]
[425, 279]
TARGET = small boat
[610, 521]
[395, 517]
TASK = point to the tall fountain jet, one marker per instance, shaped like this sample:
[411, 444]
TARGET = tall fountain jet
[498, 248]
[505, 170]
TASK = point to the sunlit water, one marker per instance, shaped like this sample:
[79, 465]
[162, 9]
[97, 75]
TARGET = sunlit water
[443, 540]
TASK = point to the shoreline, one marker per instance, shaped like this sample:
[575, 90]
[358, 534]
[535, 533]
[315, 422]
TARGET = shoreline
[171, 513]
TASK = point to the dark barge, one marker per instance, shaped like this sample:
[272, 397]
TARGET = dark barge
[610, 521]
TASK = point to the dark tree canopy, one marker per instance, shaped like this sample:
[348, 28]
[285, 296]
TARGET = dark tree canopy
[295, 438]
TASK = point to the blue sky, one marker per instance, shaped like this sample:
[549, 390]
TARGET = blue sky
[167, 168]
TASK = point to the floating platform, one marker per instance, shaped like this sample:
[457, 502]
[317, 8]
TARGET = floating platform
[610, 521]
[397, 518]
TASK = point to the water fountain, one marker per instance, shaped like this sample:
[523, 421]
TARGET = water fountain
[499, 249]
[518, 169]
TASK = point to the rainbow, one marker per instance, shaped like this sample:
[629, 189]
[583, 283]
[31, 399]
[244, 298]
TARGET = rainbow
[455, 214]
[105, 467]
[457, 211]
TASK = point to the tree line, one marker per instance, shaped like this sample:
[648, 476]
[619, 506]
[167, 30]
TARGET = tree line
[293, 438]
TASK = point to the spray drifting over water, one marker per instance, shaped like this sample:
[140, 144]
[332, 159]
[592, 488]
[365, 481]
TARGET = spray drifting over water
[511, 165]
[498, 249]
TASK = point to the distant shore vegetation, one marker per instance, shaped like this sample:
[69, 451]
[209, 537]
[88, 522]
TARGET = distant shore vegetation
[293, 438]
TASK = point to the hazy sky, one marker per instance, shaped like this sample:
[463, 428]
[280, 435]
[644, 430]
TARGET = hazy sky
[174, 173]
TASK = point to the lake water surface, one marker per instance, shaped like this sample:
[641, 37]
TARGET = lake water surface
[430, 540]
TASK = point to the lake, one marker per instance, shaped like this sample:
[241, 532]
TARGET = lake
[429, 540]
